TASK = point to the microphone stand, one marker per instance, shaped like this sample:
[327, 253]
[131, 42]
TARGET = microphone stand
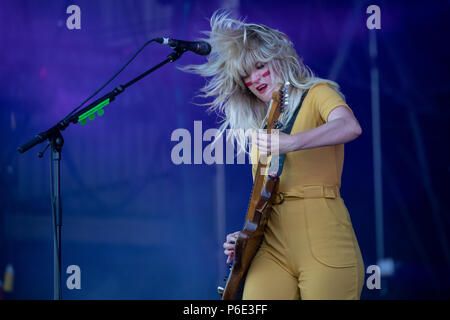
[56, 142]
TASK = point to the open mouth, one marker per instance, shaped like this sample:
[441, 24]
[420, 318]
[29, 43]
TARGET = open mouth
[261, 88]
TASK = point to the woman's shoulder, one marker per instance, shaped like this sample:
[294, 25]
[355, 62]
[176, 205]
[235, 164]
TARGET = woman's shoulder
[322, 86]
[324, 89]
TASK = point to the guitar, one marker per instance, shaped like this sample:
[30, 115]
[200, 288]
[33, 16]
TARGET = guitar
[264, 188]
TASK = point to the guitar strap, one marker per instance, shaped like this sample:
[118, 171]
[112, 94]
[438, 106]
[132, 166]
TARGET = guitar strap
[287, 129]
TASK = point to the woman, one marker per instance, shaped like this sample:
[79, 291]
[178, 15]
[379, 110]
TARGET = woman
[309, 250]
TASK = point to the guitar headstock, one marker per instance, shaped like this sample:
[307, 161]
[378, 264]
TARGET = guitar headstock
[281, 95]
[284, 95]
[280, 100]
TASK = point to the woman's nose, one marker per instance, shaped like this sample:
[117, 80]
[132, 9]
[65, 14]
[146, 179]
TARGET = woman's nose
[255, 77]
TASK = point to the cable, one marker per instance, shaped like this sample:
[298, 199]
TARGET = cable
[111, 79]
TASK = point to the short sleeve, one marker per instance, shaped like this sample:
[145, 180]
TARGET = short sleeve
[325, 99]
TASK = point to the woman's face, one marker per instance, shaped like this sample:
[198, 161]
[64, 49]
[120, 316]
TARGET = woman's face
[259, 82]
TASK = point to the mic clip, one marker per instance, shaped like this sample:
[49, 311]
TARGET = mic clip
[41, 154]
[176, 54]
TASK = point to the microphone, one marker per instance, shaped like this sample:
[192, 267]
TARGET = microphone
[199, 47]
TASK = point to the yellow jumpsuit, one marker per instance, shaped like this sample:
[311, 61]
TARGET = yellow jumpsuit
[309, 250]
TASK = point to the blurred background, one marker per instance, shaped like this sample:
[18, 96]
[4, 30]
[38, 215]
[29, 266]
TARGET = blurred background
[141, 227]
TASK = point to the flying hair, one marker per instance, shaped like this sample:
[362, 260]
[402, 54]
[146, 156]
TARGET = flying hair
[236, 48]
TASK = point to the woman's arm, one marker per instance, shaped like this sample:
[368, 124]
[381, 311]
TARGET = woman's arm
[341, 127]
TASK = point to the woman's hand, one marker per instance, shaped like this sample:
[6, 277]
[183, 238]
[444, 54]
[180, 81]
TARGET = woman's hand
[279, 143]
[229, 245]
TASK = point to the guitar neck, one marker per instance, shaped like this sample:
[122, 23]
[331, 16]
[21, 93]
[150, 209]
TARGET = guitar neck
[261, 174]
[256, 191]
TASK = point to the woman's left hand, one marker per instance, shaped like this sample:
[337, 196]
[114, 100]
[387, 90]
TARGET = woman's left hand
[280, 143]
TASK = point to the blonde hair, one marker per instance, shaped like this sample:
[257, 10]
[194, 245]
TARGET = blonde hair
[236, 48]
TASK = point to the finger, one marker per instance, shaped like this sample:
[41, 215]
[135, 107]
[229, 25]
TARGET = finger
[231, 240]
[263, 149]
[232, 237]
[264, 138]
[228, 252]
[261, 145]
[261, 133]
[229, 246]
[264, 152]
[230, 257]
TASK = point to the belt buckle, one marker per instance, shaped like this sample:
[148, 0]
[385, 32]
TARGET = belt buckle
[280, 196]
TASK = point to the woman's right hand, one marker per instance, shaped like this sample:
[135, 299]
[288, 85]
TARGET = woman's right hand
[229, 245]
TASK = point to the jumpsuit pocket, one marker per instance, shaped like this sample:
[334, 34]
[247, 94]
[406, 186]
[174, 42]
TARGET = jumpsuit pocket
[330, 232]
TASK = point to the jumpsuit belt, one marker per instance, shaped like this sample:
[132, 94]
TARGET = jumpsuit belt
[309, 191]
